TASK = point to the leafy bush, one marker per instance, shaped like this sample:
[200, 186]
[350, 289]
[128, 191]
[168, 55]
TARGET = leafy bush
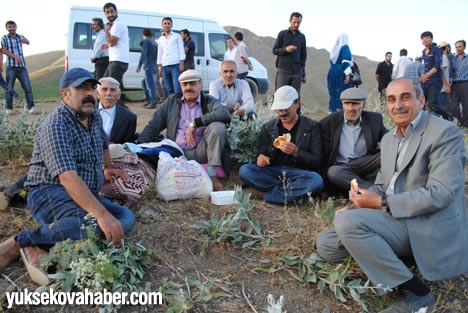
[16, 138]
[243, 136]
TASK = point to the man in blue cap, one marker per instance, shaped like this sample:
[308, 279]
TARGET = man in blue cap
[67, 169]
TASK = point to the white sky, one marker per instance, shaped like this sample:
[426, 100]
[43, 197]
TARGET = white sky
[373, 26]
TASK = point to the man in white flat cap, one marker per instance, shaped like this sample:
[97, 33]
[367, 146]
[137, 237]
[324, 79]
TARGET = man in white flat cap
[196, 122]
[287, 171]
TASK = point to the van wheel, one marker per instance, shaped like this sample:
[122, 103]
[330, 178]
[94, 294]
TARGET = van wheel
[253, 86]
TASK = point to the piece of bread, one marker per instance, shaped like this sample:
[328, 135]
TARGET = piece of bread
[280, 139]
[354, 185]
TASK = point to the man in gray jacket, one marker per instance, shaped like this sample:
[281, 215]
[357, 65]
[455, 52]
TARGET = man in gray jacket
[196, 122]
[416, 207]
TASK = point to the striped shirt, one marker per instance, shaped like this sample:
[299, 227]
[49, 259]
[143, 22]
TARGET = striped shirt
[63, 144]
[460, 68]
[14, 46]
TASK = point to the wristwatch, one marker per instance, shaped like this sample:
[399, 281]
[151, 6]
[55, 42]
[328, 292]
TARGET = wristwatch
[383, 204]
[192, 124]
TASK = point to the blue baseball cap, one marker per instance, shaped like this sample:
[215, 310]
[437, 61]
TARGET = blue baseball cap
[75, 77]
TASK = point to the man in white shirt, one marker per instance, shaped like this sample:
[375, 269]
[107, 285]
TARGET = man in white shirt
[232, 92]
[231, 49]
[117, 37]
[171, 57]
[241, 56]
[399, 69]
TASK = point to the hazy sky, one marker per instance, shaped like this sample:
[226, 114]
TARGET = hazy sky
[373, 26]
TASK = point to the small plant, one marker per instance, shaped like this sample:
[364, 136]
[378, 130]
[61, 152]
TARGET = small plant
[236, 227]
[243, 136]
[95, 264]
[16, 138]
[196, 295]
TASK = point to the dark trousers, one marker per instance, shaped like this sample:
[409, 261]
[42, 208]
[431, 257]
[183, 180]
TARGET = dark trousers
[432, 92]
[100, 67]
[459, 96]
[288, 78]
[116, 69]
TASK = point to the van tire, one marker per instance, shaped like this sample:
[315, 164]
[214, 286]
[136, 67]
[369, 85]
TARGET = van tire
[253, 86]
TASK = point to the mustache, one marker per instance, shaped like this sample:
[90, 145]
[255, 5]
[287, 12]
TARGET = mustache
[89, 99]
[284, 115]
[402, 110]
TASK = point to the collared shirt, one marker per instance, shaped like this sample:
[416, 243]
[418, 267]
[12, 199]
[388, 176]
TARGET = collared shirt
[170, 49]
[433, 59]
[108, 117]
[186, 116]
[63, 144]
[98, 52]
[414, 71]
[230, 54]
[14, 46]
[399, 69]
[120, 52]
[352, 142]
[402, 147]
[238, 93]
[460, 68]
[294, 61]
[189, 57]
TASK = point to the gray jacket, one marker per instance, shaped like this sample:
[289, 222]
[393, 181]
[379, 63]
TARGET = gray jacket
[429, 195]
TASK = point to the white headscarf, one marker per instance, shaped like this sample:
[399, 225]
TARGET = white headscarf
[341, 41]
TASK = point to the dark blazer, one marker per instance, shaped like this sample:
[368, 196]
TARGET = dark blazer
[330, 131]
[124, 127]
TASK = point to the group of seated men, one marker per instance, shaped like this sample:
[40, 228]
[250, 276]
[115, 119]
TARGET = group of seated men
[418, 190]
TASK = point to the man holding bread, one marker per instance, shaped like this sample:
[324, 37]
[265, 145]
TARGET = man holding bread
[289, 154]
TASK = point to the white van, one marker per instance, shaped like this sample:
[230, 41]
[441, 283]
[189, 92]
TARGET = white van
[209, 38]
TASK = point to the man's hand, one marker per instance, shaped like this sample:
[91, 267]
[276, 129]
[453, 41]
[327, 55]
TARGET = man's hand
[365, 199]
[289, 148]
[345, 208]
[111, 227]
[346, 80]
[109, 172]
[190, 136]
[18, 60]
[138, 70]
[291, 48]
[263, 160]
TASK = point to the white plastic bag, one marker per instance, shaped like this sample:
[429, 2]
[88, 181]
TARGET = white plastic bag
[178, 178]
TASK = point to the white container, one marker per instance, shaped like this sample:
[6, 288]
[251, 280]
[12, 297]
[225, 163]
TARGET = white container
[223, 197]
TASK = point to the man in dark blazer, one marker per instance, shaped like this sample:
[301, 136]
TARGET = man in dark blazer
[350, 143]
[118, 121]
[416, 207]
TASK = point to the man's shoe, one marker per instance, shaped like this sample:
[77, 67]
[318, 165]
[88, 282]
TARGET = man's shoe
[30, 256]
[151, 106]
[408, 302]
[9, 252]
[32, 110]
[254, 193]
[8, 112]
[217, 186]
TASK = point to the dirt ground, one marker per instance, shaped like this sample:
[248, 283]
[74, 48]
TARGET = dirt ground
[167, 228]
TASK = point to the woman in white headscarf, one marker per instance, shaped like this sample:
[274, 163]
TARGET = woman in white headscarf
[339, 75]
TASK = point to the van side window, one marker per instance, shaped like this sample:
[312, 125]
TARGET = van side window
[83, 36]
[217, 46]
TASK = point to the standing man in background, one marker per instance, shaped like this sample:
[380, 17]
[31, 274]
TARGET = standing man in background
[399, 69]
[189, 48]
[171, 57]
[460, 83]
[149, 54]
[241, 57]
[291, 51]
[117, 37]
[383, 74]
[100, 56]
[12, 46]
[231, 49]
